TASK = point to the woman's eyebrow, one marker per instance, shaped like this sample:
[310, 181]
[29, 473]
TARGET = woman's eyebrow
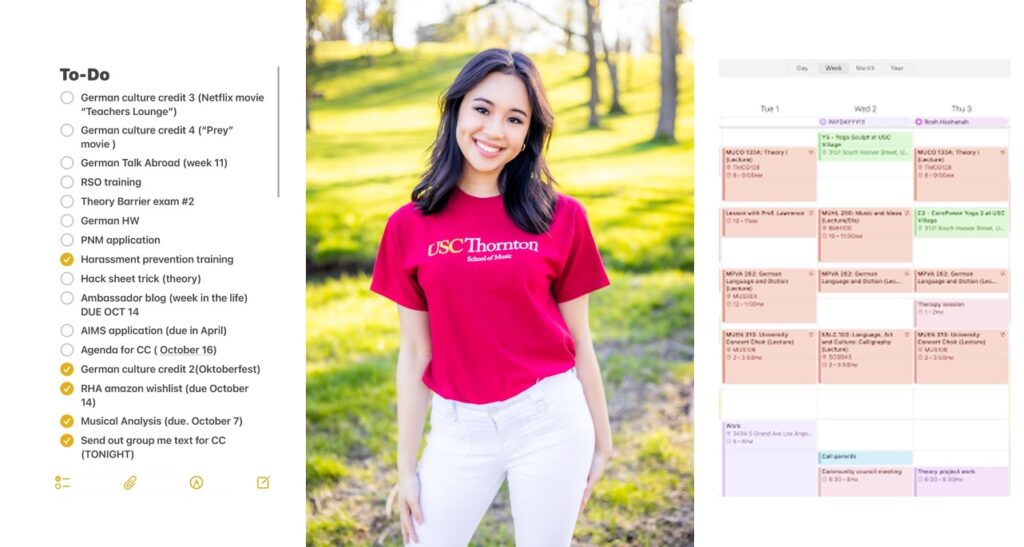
[490, 102]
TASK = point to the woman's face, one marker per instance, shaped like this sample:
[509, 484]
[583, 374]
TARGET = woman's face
[492, 124]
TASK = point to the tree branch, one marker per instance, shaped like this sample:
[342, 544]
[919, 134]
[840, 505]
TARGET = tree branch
[531, 9]
[545, 18]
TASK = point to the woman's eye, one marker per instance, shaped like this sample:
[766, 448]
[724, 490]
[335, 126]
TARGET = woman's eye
[481, 110]
[515, 120]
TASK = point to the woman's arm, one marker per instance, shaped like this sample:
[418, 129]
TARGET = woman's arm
[576, 315]
[413, 396]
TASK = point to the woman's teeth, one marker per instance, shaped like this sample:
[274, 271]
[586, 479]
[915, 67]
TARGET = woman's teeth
[486, 148]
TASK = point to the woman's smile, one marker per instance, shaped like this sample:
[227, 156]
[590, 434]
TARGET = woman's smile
[486, 149]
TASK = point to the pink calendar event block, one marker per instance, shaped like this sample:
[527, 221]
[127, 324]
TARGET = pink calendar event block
[769, 174]
[961, 174]
[963, 280]
[866, 481]
[769, 296]
[986, 314]
[867, 357]
[769, 223]
[770, 357]
[963, 357]
[866, 235]
[866, 281]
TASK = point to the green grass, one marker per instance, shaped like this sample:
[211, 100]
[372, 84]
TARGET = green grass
[370, 132]
[654, 477]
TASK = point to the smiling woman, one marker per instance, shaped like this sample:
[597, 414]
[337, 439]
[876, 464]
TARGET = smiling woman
[517, 392]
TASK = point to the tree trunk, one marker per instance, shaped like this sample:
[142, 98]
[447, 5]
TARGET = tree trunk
[629, 65]
[669, 18]
[569, 17]
[309, 83]
[613, 69]
[594, 121]
[311, 14]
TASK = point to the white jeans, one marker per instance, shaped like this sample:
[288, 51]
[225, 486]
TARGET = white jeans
[542, 439]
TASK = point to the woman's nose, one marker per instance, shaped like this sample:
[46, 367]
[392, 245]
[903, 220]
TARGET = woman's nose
[493, 128]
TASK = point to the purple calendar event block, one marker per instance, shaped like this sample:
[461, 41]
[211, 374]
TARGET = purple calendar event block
[963, 481]
[770, 458]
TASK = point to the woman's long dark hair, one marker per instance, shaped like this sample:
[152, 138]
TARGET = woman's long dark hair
[525, 183]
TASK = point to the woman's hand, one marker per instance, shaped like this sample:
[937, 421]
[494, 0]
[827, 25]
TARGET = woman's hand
[409, 506]
[597, 466]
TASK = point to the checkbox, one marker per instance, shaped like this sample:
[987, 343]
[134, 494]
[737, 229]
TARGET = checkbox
[263, 483]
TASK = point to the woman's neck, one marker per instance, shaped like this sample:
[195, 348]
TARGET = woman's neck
[479, 186]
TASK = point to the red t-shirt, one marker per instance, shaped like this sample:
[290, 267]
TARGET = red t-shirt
[491, 291]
